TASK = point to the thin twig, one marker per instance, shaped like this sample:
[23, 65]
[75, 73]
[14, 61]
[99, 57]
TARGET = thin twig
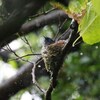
[21, 37]
[26, 41]
[34, 79]
[25, 56]
[46, 12]
[53, 84]
[59, 28]
[41, 89]
[9, 48]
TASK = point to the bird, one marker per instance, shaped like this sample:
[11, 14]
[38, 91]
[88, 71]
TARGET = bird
[48, 41]
[50, 51]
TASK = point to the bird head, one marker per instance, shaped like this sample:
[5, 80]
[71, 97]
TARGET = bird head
[48, 41]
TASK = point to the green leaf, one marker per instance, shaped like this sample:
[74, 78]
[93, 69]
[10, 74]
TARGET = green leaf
[76, 6]
[96, 5]
[90, 26]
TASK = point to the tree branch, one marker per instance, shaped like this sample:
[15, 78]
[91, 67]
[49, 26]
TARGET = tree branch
[17, 18]
[45, 19]
[53, 17]
[20, 81]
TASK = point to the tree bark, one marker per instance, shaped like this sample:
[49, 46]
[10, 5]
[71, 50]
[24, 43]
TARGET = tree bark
[17, 18]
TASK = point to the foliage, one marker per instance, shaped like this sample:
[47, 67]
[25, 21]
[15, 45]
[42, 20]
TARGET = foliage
[96, 5]
[90, 26]
[88, 15]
